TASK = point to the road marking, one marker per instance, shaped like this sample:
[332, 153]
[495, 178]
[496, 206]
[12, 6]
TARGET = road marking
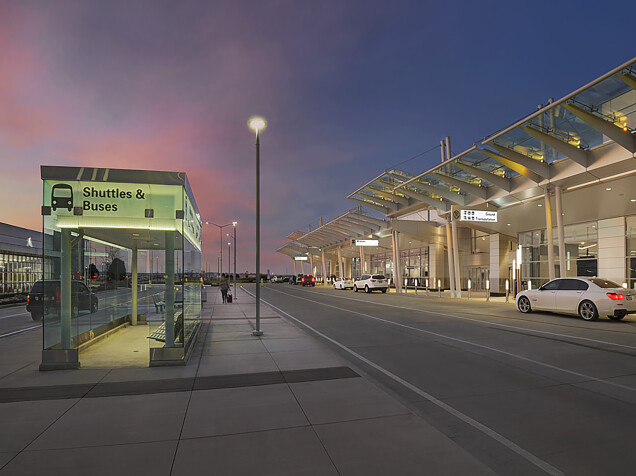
[15, 315]
[546, 467]
[20, 331]
[477, 320]
[492, 349]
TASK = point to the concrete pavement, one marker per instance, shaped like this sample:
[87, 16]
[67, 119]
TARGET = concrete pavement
[280, 404]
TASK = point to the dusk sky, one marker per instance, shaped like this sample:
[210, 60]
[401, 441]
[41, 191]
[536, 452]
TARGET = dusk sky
[348, 88]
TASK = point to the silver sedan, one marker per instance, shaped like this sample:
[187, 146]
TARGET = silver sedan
[587, 297]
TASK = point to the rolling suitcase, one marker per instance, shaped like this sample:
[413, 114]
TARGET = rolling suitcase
[229, 298]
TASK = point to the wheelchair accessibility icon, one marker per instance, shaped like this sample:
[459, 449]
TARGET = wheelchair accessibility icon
[62, 197]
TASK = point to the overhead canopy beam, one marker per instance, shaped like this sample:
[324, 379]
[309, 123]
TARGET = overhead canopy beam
[433, 202]
[579, 156]
[518, 164]
[380, 201]
[365, 225]
[359, 227]
[447, 194]
[494, 179]
[628, 79]
[618, 135]
[471, 188]
[366, 218]
[374, 206]
[392, 196]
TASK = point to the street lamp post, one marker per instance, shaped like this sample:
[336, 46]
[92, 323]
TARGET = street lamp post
[220, 227]
[234, 223]
[229, 258]
[258, 124]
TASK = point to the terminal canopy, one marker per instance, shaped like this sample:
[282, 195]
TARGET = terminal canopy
[566, 143]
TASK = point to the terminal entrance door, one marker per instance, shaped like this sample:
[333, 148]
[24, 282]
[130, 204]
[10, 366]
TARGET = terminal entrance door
[478, 278]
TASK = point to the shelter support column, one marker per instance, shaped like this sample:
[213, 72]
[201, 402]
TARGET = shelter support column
[458, 281]
[332, 268]
[550, 238]
[65, 289]
[311, 263]
[450, 255]
[397, 268]
[340, 271]
[294, 261]
[324, 266]
[560, 233]
[348, 267]
[362, 262]
[133, 317]
[169, 324]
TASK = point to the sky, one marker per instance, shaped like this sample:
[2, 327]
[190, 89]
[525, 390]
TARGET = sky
[348, 88]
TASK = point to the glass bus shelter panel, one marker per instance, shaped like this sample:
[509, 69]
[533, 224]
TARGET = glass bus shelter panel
[631, 251]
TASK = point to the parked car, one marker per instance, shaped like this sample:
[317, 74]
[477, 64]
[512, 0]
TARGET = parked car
[299, 279]
[44, 298]
[308, 280]
[371, 282]
[587, 297]
[343, 283]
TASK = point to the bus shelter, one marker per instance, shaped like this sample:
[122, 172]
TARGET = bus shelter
[121, 250]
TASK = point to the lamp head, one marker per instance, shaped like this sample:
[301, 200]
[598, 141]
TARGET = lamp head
[234, 223]
[257, 124]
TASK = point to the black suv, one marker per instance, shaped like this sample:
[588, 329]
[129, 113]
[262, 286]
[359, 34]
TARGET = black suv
[40, 301]
[308, 280]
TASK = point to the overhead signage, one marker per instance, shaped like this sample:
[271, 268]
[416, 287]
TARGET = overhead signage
[367, 242]
[478, 215]
[300, 258]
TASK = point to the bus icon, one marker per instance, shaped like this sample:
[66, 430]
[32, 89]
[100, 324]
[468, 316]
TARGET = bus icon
[62, 197]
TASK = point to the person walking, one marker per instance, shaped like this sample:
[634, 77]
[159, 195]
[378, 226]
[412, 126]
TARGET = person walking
[224, 286]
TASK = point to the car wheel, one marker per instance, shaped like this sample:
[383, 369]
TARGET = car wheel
[334, 286]
[524, 304]
[616, 317]
[36, 317]
[588, 311]
[383, 290]
[366, 289]
[355, 289]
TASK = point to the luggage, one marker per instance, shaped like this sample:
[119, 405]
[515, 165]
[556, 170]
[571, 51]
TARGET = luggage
[229, 298]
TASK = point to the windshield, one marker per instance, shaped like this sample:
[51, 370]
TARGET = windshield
[604, 283]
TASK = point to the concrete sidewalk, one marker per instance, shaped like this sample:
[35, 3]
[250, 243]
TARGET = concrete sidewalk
[280, 404]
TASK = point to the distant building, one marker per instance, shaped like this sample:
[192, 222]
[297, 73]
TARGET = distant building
[20, 258]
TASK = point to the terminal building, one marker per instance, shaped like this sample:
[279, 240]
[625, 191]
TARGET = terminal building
[552, 195]
[20, 259]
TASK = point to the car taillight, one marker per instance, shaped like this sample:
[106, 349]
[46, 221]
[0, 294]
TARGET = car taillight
[313, 280]
[615, 296]
[28, 298]
[373, 280]
[302, 280]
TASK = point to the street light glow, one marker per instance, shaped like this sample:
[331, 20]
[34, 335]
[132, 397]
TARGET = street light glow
[257, 124]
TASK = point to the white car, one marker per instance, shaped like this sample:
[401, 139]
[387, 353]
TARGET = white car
[371, 282]
[343, 283]
[587, 297]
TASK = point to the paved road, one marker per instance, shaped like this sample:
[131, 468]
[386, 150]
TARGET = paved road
[525, 394]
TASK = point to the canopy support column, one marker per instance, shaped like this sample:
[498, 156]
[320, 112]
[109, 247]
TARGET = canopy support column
[550, 238]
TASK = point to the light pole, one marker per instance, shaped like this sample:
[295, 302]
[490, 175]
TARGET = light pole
[234, 223]
[220, 227]
[258, 124]
[229, 258]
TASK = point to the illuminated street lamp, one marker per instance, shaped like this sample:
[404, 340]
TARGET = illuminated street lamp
[258, 124]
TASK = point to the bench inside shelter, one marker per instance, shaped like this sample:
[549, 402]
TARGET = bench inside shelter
[159, 334]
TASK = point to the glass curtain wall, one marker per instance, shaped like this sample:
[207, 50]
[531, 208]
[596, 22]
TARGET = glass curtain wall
[18, 272]
[414, 265]
[581, 249]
